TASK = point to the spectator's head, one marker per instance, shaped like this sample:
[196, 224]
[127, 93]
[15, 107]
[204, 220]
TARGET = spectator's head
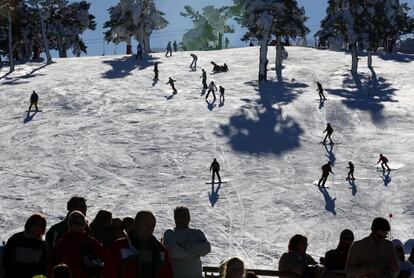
[251, 274]
[400, 253]
[127, 224]
[35, 226]
[380, 228]
[181, 217]
[117, 228]
[61, 271]
[144, 225]
[298, 243]
[77, 203]
[76, 221]
[346, 237]
[233, 268]
[103, 218]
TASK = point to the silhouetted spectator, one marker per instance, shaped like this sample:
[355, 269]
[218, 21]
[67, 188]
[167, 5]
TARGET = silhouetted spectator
[406, 267]
[364, 259]
[117, 229]
[186, 246]
[25, 253]
[411, 258]
[296, 260]
[57, 231]
[336, 259]
[128, 224]
[82, 253]
[233, 268]
[101, 227]
[142, 255]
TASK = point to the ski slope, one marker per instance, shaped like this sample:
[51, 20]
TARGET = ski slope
[108, 133]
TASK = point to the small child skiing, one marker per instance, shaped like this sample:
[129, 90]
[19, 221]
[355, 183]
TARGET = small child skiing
[351, 171]
[383, 161]
[211, 89]
[169, 49]
[221, 89]
[204, 76]
[171, 82]
[329, 131]
[215, 166]
[326, 169]
[193, 65]
[34, 98]
[320, 90]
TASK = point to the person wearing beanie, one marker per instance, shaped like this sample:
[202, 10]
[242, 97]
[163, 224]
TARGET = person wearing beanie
[374, 255]
[335, 259]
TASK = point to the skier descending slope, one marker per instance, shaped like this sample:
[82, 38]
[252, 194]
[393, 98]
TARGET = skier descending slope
[329, 131]
[171, 82]
[204, 80]
[156, 70]
[320, 90]
[351, 171]
[383, 161]
[34, 98]
[326, 169]
[193, 65]
[215, 166]
[211, 89]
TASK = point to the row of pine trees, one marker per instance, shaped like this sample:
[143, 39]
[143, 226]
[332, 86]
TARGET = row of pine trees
[29, 27]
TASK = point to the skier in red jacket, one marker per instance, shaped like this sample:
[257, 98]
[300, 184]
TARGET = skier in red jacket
[139, 255]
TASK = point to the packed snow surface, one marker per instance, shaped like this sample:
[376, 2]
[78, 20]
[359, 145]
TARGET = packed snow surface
[109, 134]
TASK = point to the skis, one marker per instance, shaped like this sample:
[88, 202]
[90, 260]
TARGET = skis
[348, 179]
[326, 187]
[216, 182]
[33, 111]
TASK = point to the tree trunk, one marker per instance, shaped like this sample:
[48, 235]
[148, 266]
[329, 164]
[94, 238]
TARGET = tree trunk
[220, 41]
[45, 41]
[36, 52]
[129, 46]
[279, 58]
[263, 58]
[147, 47]
[354, 68]
[369, 62]
[11, 58]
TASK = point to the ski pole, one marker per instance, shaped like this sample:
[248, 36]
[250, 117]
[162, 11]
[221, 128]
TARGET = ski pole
[390, 216]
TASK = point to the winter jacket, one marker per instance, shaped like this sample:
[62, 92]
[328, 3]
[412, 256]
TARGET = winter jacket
[124, 260]
[212, 87]
[294, 262]
[215, 166]
[329, 130]
[72, 250]
[24, 257]
[326, 169]
[185, 247]
[371, 252]
[336, 259]
[57, 231]
[34, 97]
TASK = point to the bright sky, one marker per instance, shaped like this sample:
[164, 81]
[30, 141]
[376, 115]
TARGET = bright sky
[315, 10]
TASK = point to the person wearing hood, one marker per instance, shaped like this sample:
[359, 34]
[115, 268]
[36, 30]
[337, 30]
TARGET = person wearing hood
[335, 259]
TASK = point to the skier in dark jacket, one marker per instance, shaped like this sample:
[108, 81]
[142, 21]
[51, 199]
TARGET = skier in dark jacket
[215, 166]
[168, 49]
[326, 169]
[156, 70]
[329, 132]
[175, 46]
[34, 98]
[204, 76]
[320, 90]
[336, 259]
[351, 171]
[171, 82]
[383, 161]
[211, 89]
[221, 94]
[193, 65]
[139, 52]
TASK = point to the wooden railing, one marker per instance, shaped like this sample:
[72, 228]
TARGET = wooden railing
[213, 272]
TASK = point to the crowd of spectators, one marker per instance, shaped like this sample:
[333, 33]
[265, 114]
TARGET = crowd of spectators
[112, 247]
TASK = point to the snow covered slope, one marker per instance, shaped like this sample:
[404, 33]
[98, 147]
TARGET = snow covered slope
[108, 133]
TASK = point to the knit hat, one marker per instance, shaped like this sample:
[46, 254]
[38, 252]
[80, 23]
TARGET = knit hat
[346, 235]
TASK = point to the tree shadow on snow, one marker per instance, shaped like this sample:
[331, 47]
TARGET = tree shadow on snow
[261, 128]
[147, 61]
[329, 202]
[359, 95]
[121, 67]
[401, 58]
